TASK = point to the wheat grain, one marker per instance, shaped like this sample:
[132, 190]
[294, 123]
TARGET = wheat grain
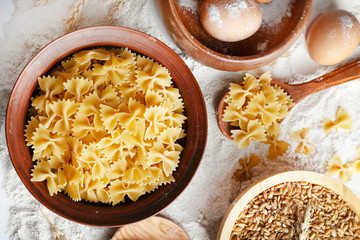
[72, 20]
[297, 210]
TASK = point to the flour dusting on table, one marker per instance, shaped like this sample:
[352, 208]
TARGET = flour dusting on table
[200, 208]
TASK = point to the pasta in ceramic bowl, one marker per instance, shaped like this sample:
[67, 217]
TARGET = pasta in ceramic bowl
[108, 130]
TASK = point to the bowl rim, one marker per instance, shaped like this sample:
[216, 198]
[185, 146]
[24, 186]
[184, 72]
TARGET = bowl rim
[261, 59]
[94, 217]
[261, 185]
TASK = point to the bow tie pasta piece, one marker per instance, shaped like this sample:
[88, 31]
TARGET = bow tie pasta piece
[33, 123]
[159, 154]
[151, 75]
[118, 189]
[256, 100]
[336, 167]
[70, 180]
[85, 56]
[238, 94]
[90, 107]
[282, 97]
[50, 86]
[93, 189]
[152, 185]
[69, 68]
[134, 110]
[109, 96]
[265, 79]
[253, 132]
[117, 169]
[98, 81]
[137, 139]
[127, 91]
[77, 87]
[105, 126]
[244, 173]
[109, 117]
[304, 146]
[50, 143]
[153, 98]
[155, 116]
[81, 127]
[232, 114]
[174, 97]
[116, 69]
[41, 172]
[268, 111]
[169, 136]
[65, 109]
[136, 175]
[277, 148]
[343, 120]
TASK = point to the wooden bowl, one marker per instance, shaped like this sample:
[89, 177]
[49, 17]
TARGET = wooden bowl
[184, 26]
[196, 125]
[246, 196]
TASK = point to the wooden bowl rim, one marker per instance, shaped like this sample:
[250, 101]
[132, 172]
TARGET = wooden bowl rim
[268, 56]
[89, 213]
[258, 187]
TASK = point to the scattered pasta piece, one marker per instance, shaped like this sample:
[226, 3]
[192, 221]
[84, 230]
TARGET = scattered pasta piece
[256, 102]
[253, 131]
[244, 173]
[300, 136]
[343, 120]
[105, 126]
[277, 148]
[345, 171]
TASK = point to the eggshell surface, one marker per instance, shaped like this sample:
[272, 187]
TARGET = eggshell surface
[230, 20]
[333, 36]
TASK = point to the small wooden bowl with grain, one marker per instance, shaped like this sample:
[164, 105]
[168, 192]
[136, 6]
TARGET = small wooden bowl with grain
[240, 204]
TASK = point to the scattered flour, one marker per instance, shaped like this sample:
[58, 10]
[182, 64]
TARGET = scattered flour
[190, 5]
[214, 14]
[200, 208]
[275, 11]
[262, 47]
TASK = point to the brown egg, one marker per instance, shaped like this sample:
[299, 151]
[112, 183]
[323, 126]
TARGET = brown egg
[333, 36]
[264, 1]
[230, 20]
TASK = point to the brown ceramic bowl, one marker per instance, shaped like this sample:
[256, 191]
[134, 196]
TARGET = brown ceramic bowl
[196, 125]
[184, 26]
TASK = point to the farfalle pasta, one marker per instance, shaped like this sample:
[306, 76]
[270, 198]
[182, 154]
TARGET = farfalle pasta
[343, 120]
[304, 146]
[106, 126]
[256, 107]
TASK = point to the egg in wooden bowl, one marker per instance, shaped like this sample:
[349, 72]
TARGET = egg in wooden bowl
[282, 24]
[106, 126]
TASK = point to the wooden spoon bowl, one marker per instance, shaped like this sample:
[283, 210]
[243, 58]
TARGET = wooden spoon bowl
[300, 91]
[246, 196]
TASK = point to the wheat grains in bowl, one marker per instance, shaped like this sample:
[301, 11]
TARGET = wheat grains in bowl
[297, 210]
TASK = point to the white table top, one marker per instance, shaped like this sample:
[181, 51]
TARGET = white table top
[199, 222]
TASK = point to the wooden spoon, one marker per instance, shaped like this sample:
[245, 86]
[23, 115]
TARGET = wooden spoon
[300, 91]
[155, 227]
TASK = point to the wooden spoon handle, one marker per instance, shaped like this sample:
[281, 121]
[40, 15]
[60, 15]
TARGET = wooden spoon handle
[336, 77]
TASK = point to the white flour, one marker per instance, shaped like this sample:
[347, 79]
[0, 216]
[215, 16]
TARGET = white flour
[200, 208]
[275, 11]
